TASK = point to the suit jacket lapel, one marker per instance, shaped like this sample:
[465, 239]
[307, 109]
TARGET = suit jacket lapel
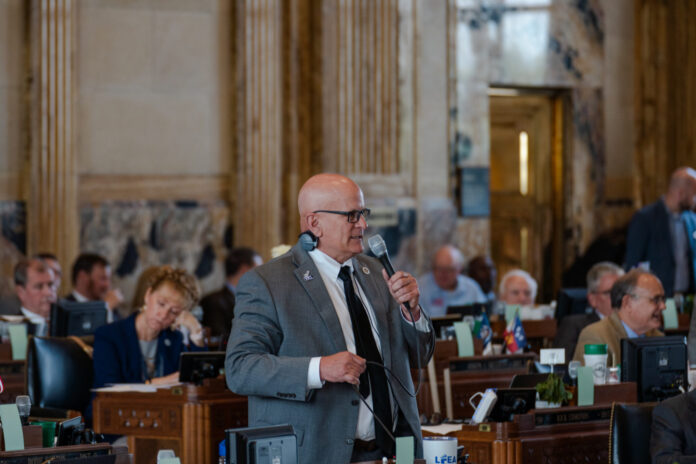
[379, 299]
[308, 276]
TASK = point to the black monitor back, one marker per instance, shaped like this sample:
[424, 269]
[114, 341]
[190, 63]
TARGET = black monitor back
[512, 401]
[528, 380]
[474, 309]
[256, 445]
[198, 365]
[571, 301]
[442, 322]
[74, 318]
[657, 364]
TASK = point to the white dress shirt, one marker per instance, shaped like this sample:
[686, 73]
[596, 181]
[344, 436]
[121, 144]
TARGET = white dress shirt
[329, 269]
[36, 319]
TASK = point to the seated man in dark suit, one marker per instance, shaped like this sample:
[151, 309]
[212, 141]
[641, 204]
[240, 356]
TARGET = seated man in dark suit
[36, 291]
[218, 307]
[600, 279]
[673, 437]
[91, 279]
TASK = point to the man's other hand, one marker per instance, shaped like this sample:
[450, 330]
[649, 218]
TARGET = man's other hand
[342, 367]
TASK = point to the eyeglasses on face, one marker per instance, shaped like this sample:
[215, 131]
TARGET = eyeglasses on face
[353, 215]
[657, 300]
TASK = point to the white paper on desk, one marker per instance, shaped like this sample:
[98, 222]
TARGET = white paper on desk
[135, 387]
[442, 429]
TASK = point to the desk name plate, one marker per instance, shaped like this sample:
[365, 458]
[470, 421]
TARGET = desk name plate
[571, 416]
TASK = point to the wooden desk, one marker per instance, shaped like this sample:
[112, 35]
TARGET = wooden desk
[470, 375]
[190, 420]
[548, 435]
[102, 452]
[12, 374]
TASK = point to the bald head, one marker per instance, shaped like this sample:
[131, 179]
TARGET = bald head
[681, 192]
[324, 202]
[320, 192]
[447, 264]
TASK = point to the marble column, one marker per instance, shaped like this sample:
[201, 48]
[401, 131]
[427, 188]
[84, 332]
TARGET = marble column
[52, 209]
[258, 174]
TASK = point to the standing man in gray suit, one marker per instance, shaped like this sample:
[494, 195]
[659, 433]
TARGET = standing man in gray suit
[313, 327]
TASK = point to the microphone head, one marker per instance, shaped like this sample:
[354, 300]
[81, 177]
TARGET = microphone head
[377, 245]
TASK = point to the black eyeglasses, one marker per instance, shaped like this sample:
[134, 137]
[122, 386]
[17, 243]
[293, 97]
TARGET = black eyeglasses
[657, 300]
[353, 216]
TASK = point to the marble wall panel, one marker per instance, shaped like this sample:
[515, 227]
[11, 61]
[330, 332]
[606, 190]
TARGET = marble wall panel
[532, 43]
[136, 235]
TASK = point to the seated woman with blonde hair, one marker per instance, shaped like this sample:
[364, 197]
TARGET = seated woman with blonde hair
[145, 347]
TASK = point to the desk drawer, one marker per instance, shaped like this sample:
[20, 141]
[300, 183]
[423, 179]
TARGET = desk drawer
[141, 419]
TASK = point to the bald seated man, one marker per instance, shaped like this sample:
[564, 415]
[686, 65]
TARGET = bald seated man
[313, 327]
[445, 285]
[661, 235]
[638, 299]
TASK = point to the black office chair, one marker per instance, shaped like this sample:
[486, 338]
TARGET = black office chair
[629, 433]
[59, 376]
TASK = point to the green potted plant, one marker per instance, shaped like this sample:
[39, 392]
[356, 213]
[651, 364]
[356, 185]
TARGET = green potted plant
[552, 392]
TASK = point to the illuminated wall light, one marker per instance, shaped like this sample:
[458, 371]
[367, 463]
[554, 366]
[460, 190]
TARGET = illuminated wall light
[524, 163]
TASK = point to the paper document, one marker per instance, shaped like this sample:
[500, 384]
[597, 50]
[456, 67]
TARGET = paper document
[135, 387]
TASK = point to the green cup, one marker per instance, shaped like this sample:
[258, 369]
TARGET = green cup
[48, 429]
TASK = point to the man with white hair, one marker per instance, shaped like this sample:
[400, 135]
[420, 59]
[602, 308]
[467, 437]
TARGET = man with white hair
[445, 285]
[518, 287]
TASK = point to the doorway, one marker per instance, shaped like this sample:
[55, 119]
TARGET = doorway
[526, 184]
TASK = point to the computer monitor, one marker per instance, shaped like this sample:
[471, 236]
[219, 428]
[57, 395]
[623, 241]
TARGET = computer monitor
[512, 401]
[528, 380]
[73, 318]
[69, 431]
[443, 322]
[257, 445]
[571, 301]
[657, 364]
[199, 365]
[474, 309]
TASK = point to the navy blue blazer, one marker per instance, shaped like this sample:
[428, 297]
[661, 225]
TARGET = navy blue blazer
[118, 359]
[649, 239]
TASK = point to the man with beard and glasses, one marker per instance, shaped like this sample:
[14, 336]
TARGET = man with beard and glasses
[661, 235]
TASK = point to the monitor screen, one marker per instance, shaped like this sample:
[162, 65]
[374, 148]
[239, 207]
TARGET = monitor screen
[196, 366]
[657, 364]
[73, 318]
[257, 445]
[571, 301]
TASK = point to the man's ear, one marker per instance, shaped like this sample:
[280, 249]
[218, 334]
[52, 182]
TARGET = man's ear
[20, 291]
[314, 225]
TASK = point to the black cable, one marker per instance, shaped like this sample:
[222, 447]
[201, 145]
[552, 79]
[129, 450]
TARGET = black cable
[356, 389]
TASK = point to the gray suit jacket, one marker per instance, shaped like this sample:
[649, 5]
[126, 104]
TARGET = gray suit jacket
[284, 317]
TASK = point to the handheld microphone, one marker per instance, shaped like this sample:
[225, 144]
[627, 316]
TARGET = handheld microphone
[379, 249]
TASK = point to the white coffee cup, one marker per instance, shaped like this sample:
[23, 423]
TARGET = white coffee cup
[440, 450]
[596, 358]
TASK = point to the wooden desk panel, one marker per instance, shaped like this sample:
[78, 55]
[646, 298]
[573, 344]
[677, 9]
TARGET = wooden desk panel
[189, 419]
